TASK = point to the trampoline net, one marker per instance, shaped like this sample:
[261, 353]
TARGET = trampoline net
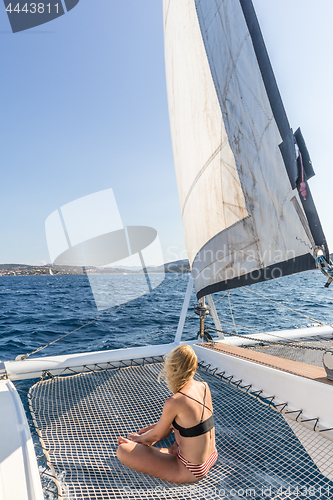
[80, 417]
[301, 351]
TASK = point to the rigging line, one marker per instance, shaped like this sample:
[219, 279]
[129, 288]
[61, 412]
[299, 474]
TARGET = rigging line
[233, 319]
[99, 317]
[152, 336]
[290, 343]
[223, 321]
[190, 317]
[243, 327]
[218, 300]
[282, 305]
[228, 322]
[160, 333]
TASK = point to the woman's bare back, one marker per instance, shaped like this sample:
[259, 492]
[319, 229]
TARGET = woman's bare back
[189, 413]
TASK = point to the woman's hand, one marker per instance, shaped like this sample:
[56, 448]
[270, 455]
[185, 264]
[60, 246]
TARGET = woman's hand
[156, 432]
[137, 437]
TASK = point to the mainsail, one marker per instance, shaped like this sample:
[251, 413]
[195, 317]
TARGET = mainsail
[242, 173]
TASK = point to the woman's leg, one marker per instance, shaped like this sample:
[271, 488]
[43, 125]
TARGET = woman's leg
[150, 460]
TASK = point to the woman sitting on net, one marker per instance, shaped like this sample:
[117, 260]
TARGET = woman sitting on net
[189, 412]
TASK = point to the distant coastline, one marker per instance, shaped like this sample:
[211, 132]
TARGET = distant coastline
[178, 266]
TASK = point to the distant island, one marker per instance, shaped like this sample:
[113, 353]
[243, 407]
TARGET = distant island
[178, 266]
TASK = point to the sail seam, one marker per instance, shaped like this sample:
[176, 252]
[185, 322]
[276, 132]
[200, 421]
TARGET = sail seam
[230, 205]
[234, 60]
[233, 71]
[208, 162]
[232, 171]
[247, 218]
[303, 220]
[241, 250]
[204, 28]
[254, 241]
[167, 13]
[251, 91]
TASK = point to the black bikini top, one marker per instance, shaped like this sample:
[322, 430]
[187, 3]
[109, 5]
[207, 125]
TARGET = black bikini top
[199, 429]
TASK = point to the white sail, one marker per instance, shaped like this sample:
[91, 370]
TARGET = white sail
[205, 165]
[237, 173]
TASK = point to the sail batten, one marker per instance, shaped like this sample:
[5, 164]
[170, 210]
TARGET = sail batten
[247, 210]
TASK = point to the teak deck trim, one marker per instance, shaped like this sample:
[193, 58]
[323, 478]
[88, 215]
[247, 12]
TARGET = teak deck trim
[286, 365]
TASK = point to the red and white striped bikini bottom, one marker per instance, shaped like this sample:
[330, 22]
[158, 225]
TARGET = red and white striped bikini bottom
[199, 470]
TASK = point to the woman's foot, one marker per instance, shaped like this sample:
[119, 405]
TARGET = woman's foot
[122, 440]
[133, 436]
[173, 449]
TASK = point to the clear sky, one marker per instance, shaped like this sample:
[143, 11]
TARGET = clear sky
[84, 108]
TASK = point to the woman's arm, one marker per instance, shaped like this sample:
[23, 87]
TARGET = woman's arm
[160, 430]
[134, 436]
[145, 429]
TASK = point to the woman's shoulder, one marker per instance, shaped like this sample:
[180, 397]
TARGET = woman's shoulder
[199, 391]
[175, 401]
[173, 404]
[172, 399]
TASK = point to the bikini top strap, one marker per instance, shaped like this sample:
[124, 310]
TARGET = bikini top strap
[203, 404]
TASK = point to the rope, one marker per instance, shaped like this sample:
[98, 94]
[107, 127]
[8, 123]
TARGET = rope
[175, 326]
[223, 321]
[325, 267]
[233, 320]
[99, 317]
[228, 322]
[160, 333]
[241, 326]
[218, 300]
[282, 305]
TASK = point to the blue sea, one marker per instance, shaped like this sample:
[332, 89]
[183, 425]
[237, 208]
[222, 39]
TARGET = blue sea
[35, 310]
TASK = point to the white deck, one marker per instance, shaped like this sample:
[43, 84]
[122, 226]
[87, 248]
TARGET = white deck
[19, 477]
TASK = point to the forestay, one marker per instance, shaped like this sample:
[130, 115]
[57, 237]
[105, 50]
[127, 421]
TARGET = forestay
[242, 174]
